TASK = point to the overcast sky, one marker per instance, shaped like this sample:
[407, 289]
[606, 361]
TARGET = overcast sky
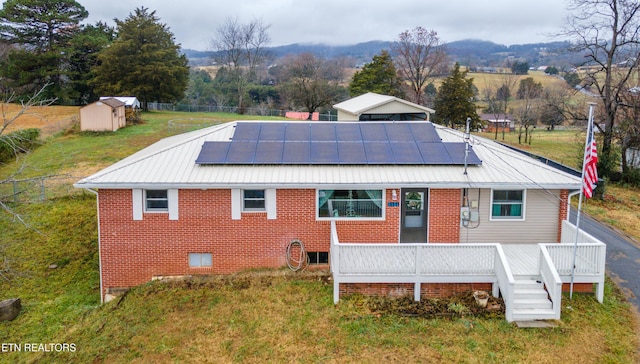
[343, 22]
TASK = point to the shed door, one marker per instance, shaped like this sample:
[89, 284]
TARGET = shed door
[413, 215]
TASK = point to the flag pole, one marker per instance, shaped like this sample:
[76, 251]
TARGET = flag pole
[584, 162]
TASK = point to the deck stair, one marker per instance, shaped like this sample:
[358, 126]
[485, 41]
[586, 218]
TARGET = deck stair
[531, 301]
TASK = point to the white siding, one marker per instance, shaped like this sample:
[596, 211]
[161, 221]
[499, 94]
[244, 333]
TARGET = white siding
[270, 202]
[540, 224]
[137, 203]
[236, 204]
[172, 200]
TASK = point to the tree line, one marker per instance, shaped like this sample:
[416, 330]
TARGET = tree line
[43, 42]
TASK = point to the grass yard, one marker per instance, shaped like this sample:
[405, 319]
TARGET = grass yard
[274, 316]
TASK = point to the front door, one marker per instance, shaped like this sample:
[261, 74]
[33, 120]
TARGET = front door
[413, 215]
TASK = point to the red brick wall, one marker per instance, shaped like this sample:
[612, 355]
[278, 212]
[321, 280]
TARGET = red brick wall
[134, 251]
[444, 215]
[564, 201]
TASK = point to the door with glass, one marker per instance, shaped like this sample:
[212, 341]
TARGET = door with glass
[413, 215]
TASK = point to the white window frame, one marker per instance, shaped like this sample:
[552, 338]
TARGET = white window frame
[201, 258]
[347, 218]
[508, 218]
[254, 209]
[156, 209]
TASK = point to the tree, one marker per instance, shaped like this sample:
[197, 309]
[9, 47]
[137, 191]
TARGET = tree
[143, 61]
[520, 68]
[418, 53]
[379, 76]
[312, 82]
[606, 32]
[43, 25]
[551, 70]
[529, 89]
[454, 102]
[82, 57]
[41, 30]
[240, 49]
[498, 97]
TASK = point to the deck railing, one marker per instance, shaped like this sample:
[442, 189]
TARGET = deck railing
[465, 263]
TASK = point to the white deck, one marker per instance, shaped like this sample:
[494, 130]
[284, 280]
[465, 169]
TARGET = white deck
[508, 267]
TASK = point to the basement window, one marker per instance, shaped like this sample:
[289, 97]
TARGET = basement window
[507, 204]
[318, 258]
[200, 260]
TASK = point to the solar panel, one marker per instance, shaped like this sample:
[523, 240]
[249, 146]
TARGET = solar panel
[324, 153]
[323, 132]
[241, 152]
[456, 152]
[373, 132]
[335, 143]
[351, 153]
[272, 131]
[297, 132]
[378, 153]
[269, 152]
[399, 132]
[348, 132]
[296, 153]
[406, 153]
[424, 132]
[246, 131]
[434, 153]
[213, 153]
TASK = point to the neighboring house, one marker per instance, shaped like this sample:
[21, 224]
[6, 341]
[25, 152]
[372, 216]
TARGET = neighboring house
[130, 102]
[501, 122]
[376, 107]
[103, 115]
[234, 196]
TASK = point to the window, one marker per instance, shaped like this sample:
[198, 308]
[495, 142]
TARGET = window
[318, 257]
[253, 200]
[197, 260]
[350, 204]
[156, 200]
[507, 204]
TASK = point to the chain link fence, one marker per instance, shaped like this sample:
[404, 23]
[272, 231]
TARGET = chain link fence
[261, 111]
[37, 189]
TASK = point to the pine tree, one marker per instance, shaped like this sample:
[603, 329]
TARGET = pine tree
[144, 61]
[379, 76]
[454, 102]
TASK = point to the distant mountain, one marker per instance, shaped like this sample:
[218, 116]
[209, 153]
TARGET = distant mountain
[467, 52]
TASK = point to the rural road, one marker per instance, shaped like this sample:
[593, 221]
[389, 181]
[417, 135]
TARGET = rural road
[623, 256]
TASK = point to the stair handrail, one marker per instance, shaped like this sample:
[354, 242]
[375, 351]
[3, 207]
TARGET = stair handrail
[551, 280]
[506, 281]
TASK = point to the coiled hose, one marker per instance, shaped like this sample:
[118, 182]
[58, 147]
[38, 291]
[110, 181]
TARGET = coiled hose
[297, 258]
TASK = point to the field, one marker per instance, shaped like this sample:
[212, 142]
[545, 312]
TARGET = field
[257, 316]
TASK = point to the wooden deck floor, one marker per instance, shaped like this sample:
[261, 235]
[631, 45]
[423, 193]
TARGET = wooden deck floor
[523, 258]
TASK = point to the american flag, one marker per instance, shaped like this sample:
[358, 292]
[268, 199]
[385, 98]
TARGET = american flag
[590, 173]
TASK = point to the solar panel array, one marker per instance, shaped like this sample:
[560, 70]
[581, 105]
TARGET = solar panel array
[335, 143]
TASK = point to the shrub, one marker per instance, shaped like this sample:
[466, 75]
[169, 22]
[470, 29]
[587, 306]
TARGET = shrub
[20, 141]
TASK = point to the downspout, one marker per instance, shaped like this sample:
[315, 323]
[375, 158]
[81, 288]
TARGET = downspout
[99, 250]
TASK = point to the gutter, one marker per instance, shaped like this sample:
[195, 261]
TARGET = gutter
[99, 248]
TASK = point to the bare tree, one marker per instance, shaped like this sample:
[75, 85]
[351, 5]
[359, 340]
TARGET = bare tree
[498, 95]
[240, 48]
[418, 54]
[11, 141]
[313, 82]
[608, 33]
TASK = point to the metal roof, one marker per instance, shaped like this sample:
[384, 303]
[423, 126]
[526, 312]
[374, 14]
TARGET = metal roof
[170, 163]
[370, 100]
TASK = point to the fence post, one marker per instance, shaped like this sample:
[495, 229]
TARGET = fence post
[42, 191]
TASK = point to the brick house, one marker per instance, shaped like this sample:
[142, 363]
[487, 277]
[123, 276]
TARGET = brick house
[234, 196]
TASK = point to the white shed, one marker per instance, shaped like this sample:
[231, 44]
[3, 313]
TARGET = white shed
[376, 107]
[104, 115]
